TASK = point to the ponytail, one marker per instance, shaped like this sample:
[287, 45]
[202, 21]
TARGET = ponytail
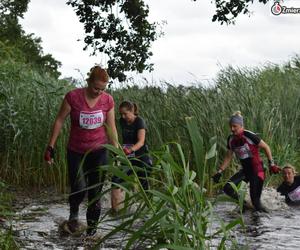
[131, 106]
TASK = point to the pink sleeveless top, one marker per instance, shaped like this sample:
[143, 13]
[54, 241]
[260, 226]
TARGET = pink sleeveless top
[87, 124]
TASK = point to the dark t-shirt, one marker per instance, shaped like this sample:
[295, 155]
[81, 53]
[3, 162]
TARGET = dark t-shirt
[292, 192]
[130, 131]
[245, 147]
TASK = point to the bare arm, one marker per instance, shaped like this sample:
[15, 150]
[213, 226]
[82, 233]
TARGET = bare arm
[141, 135]
[226, 161]
[111, 127]
[64, 111]
[267, 150]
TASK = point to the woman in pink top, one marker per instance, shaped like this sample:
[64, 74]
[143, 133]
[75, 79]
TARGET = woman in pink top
[92, 124]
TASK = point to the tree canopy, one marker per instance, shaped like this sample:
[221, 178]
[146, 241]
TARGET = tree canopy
[13, 8]
[120, 29]
[228, 10]
[25, 47]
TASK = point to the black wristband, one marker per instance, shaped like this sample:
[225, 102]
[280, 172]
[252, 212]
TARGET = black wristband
[50, 149]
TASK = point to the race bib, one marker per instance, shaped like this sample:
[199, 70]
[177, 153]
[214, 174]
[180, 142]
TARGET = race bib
[243, 152]
[295, 194]
[129, 146]
[91, 120]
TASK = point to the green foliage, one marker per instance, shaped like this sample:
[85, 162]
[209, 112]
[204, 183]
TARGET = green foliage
[121, 30]
[7, 241]
[267, 97]
[175, 213]
[25, 48]
[28, 104]
[22, 47]
[14, 8]
[227, 11]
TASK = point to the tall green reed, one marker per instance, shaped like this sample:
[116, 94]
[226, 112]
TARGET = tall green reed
[29, 102]
[268, 98]
[175, 212]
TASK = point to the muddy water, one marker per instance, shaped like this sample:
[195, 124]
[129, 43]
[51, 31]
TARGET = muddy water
[277, 229]
[37, 225]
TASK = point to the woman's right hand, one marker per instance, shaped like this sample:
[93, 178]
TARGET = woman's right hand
[274, 169]
[49, 155]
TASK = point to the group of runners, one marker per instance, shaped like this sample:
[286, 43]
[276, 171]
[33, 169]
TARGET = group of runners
[92, 113]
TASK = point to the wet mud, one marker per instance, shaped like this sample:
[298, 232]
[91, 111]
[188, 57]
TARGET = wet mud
[40, 217]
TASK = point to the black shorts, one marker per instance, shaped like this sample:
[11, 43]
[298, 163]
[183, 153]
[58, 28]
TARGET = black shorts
[143, 170]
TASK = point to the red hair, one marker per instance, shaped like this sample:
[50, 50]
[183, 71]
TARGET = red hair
[97, 73]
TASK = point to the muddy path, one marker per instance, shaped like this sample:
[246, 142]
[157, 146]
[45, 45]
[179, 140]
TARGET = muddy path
[40, 216]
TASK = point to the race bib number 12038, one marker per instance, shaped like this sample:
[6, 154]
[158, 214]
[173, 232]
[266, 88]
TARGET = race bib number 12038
[91, 120]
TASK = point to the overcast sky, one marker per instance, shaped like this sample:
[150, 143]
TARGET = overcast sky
[193, 47]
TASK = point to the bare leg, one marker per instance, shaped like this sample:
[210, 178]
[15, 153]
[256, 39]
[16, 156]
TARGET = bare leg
[117, 198]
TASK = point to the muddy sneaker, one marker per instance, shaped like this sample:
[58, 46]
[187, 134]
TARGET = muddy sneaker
[92, 236]
[263, 209]
[91, 231]
[247, 206]
[73, 225]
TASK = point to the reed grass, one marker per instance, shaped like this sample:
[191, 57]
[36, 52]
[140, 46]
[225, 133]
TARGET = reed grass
[7, 241]
[186, 150]
[268, 98]
[29, 102]
[175, 213]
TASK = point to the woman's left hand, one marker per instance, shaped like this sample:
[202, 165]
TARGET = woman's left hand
[127, 151]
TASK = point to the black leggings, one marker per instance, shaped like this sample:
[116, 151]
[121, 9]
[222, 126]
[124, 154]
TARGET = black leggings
[86, 176]
[256, 186]
[144, 163]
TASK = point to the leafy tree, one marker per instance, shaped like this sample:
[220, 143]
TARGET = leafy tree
[228, 10]
[121, 30]
[13, 36]
[13, 8]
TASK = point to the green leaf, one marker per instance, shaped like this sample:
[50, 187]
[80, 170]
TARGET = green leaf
[212, 152]
[174, 247]
[155, 219]
[197, 145]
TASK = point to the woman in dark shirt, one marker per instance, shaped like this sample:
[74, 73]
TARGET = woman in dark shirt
[290, 187]
[134, 146]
